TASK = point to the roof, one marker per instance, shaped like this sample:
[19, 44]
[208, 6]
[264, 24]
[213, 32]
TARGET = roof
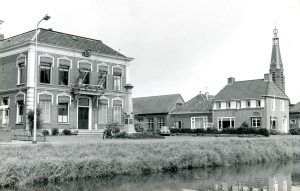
[198, 104]
[295, 108]
[155, 104]
[64, 40]
[250, 89]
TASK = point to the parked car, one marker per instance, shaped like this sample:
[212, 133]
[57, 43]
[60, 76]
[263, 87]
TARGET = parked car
[164, 130]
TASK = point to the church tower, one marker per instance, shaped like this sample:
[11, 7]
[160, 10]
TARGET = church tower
[276, 67]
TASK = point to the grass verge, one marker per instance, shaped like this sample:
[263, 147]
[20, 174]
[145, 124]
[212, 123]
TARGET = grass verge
[32, 164]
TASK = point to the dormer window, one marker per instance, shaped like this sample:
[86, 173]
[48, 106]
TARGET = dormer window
[228, 105]
[248, 103]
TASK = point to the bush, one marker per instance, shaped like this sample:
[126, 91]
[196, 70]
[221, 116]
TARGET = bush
[273, 132]
[144, 135]
[244, 125]
[295, 131]
[264, 131]
[66, 132]
[55, 131]
[140, 126]
[45, 132]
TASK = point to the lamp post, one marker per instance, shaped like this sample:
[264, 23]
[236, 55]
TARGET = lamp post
[46, 17]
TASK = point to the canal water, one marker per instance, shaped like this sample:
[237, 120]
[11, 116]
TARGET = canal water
[264, 177]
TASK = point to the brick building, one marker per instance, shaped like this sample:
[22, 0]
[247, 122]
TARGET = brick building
[155, 110]
[81, 81]
[260, 103]
[295, 116]
[194, 114]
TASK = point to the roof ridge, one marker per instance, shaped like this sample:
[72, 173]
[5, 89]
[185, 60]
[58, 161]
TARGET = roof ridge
[156, 96]
[17, 35]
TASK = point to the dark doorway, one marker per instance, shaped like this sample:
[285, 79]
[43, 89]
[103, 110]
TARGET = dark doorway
[83, 118]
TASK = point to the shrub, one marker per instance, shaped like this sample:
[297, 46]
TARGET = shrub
[244, 125]
[212, 130]
[295, 131]
[45, 132]
[55, 131]
[264, 131]
[30, 117]
[66, 132]
[144, 135]
[140, 126]
[273, 132]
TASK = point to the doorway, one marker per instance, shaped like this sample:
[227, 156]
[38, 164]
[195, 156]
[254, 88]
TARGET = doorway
[84, 109]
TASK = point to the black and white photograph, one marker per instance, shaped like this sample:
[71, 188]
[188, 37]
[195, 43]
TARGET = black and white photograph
[141, 95]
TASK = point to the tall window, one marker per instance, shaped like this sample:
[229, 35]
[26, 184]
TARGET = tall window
[45, 70]
[255, 121]
[21, 70]
[198, 122]
[281, 105]
[45, 106]
[84, 73]
[228, 105]
[248, 102]
[102, 78]
[160, 122]
[20, 111]
[63, 113]
[273, 104]
[5, 101]
[258, 103]
[273, 123]
[117, 110]
[63, 75]
[117, 78]
[150, 124]
[102, 111]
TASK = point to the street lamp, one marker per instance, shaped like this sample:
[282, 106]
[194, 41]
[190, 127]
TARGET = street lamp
[46, 18]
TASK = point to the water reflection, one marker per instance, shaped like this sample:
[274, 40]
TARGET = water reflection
[267, 177]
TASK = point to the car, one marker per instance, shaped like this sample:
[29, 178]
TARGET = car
[164, 130]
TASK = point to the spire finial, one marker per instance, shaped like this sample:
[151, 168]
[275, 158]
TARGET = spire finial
[275, 31]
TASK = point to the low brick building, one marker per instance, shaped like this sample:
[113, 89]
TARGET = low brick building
[194, 114]
[295, 116]
[155, 110]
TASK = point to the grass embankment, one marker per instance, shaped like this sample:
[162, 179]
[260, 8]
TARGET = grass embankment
[42, 163]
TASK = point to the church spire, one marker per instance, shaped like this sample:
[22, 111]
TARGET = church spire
[276, 66]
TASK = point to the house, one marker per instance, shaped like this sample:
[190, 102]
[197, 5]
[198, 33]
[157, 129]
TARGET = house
[194, 114]
[259, 103]
[81, 82]
[155, 110]
[295, 116]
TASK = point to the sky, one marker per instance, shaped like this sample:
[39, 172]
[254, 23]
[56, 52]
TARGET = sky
[178, 46]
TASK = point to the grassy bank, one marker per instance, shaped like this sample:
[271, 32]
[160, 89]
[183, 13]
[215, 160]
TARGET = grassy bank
[5, 135]
[30, 164]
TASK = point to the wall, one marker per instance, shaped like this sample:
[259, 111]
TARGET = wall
[295, 116]
[186, 118]
[155, 119]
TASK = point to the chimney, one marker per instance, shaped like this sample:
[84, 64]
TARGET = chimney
[267, 77]
[1, 35]
[206, 95]
[231, 80]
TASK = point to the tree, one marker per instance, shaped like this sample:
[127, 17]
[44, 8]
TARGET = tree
[30, 117]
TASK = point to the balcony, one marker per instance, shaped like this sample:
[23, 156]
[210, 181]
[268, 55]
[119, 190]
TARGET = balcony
[87, 89]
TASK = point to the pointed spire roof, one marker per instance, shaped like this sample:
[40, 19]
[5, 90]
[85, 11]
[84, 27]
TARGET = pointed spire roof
[276, 56]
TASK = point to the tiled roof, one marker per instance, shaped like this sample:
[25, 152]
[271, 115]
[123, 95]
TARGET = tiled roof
[295, 108]
[198, 104]
[250, 89]
[155, 104]
[62, 40]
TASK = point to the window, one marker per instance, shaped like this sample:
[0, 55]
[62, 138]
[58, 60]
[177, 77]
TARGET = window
[198, 122]
[273, 104]
[238, 104]
[63, 113]
[45, 106]
[258, 104]
[5, 101]
[248, 102]
[45, 70]
[150, 124]
[160, 122]
[102, 78]
[21, 70]
[293, 121]
[273, 123]
[177, 124]
[226, 122]
[117, 82]
[227, 105]
[20, 111]
[219, 105]
[281, 105]
[117, 111]
[140, 120]
[63, 75]
[255, 121]
[84, 72]
[102, 112]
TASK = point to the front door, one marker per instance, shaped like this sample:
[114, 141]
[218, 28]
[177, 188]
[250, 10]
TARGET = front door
[83, 118]
[83, 113]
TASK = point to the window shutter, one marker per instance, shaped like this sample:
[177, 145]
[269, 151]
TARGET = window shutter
[85, 66]
[63, 99]
[117, 103]
[45, 97]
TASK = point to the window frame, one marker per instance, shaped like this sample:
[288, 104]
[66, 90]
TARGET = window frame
[99, 112]
[193, 122]
[150, 123]
[20, 118]
[231, 119]
[255, 121]
[160, 122]
[50, 68]
[68, 113]
[63, 68]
